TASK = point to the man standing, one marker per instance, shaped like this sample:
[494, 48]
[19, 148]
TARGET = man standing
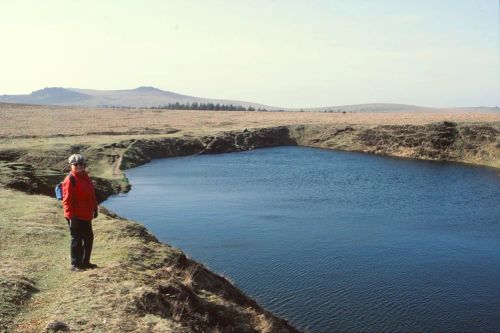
[80, 207]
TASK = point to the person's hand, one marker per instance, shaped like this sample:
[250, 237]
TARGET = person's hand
[96, 213]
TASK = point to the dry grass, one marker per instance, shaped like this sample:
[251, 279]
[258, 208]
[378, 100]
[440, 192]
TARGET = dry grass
[33, 242]
[264, 324]
[46, 121]
[140, 286]
[179, 308]
[36, 285]
[189, 276]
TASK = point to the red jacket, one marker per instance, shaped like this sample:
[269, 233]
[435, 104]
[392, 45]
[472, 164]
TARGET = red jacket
[79, 197]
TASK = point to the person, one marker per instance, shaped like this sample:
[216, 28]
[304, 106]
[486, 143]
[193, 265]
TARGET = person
[80, 207]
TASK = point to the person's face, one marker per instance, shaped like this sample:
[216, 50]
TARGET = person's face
[78, 167]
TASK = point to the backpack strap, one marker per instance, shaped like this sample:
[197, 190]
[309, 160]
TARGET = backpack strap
[72, 179]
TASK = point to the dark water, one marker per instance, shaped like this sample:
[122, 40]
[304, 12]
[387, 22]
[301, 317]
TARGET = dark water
[335, 241]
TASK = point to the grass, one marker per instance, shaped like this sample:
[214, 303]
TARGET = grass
[32, 239]
[189, 276]
[141, 284]
[179, 308]
[35, 254]
[34, 122]
[34, 261]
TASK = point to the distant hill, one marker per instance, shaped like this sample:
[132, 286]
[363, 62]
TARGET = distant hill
[373, 107]
[139, 97]
[55, 96]
[154, 97]
[398, 108]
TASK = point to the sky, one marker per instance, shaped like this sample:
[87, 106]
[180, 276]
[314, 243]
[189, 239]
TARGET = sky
[283, 53]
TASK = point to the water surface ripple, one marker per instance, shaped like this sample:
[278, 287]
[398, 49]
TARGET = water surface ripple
[335, 241]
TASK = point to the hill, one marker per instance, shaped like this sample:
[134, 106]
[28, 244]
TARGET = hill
[139, 97]
[146, 97]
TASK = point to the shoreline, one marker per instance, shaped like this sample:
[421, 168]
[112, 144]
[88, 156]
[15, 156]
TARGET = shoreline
[248, 162]
[37, 170]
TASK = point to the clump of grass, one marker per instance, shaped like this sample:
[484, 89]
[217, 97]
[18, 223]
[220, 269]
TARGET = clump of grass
[15, 291]
[189, 276]
[179, 308]
[264, 324]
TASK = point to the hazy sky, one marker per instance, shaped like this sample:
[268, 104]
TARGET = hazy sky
[283, 53]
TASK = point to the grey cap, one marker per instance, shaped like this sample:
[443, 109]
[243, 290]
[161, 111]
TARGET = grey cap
[76, 158]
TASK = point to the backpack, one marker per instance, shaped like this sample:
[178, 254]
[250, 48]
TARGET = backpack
[59, 189]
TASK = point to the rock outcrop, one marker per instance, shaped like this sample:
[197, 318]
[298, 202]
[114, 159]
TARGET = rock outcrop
[38, 171]
[445, 141]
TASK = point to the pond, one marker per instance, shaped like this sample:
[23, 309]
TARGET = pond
[335, 241]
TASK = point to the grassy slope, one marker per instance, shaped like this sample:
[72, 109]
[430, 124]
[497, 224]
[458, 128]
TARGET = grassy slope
[35, 252]
[32, 240]
[142, 285]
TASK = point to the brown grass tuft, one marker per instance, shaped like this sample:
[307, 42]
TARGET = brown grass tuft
[189, 276]
[179, 308]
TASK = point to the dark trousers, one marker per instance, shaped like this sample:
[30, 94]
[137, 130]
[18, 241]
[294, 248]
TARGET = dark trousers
[82, 239]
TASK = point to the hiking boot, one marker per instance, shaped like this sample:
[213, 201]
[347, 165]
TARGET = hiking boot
[90, 266]
[76, 268]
